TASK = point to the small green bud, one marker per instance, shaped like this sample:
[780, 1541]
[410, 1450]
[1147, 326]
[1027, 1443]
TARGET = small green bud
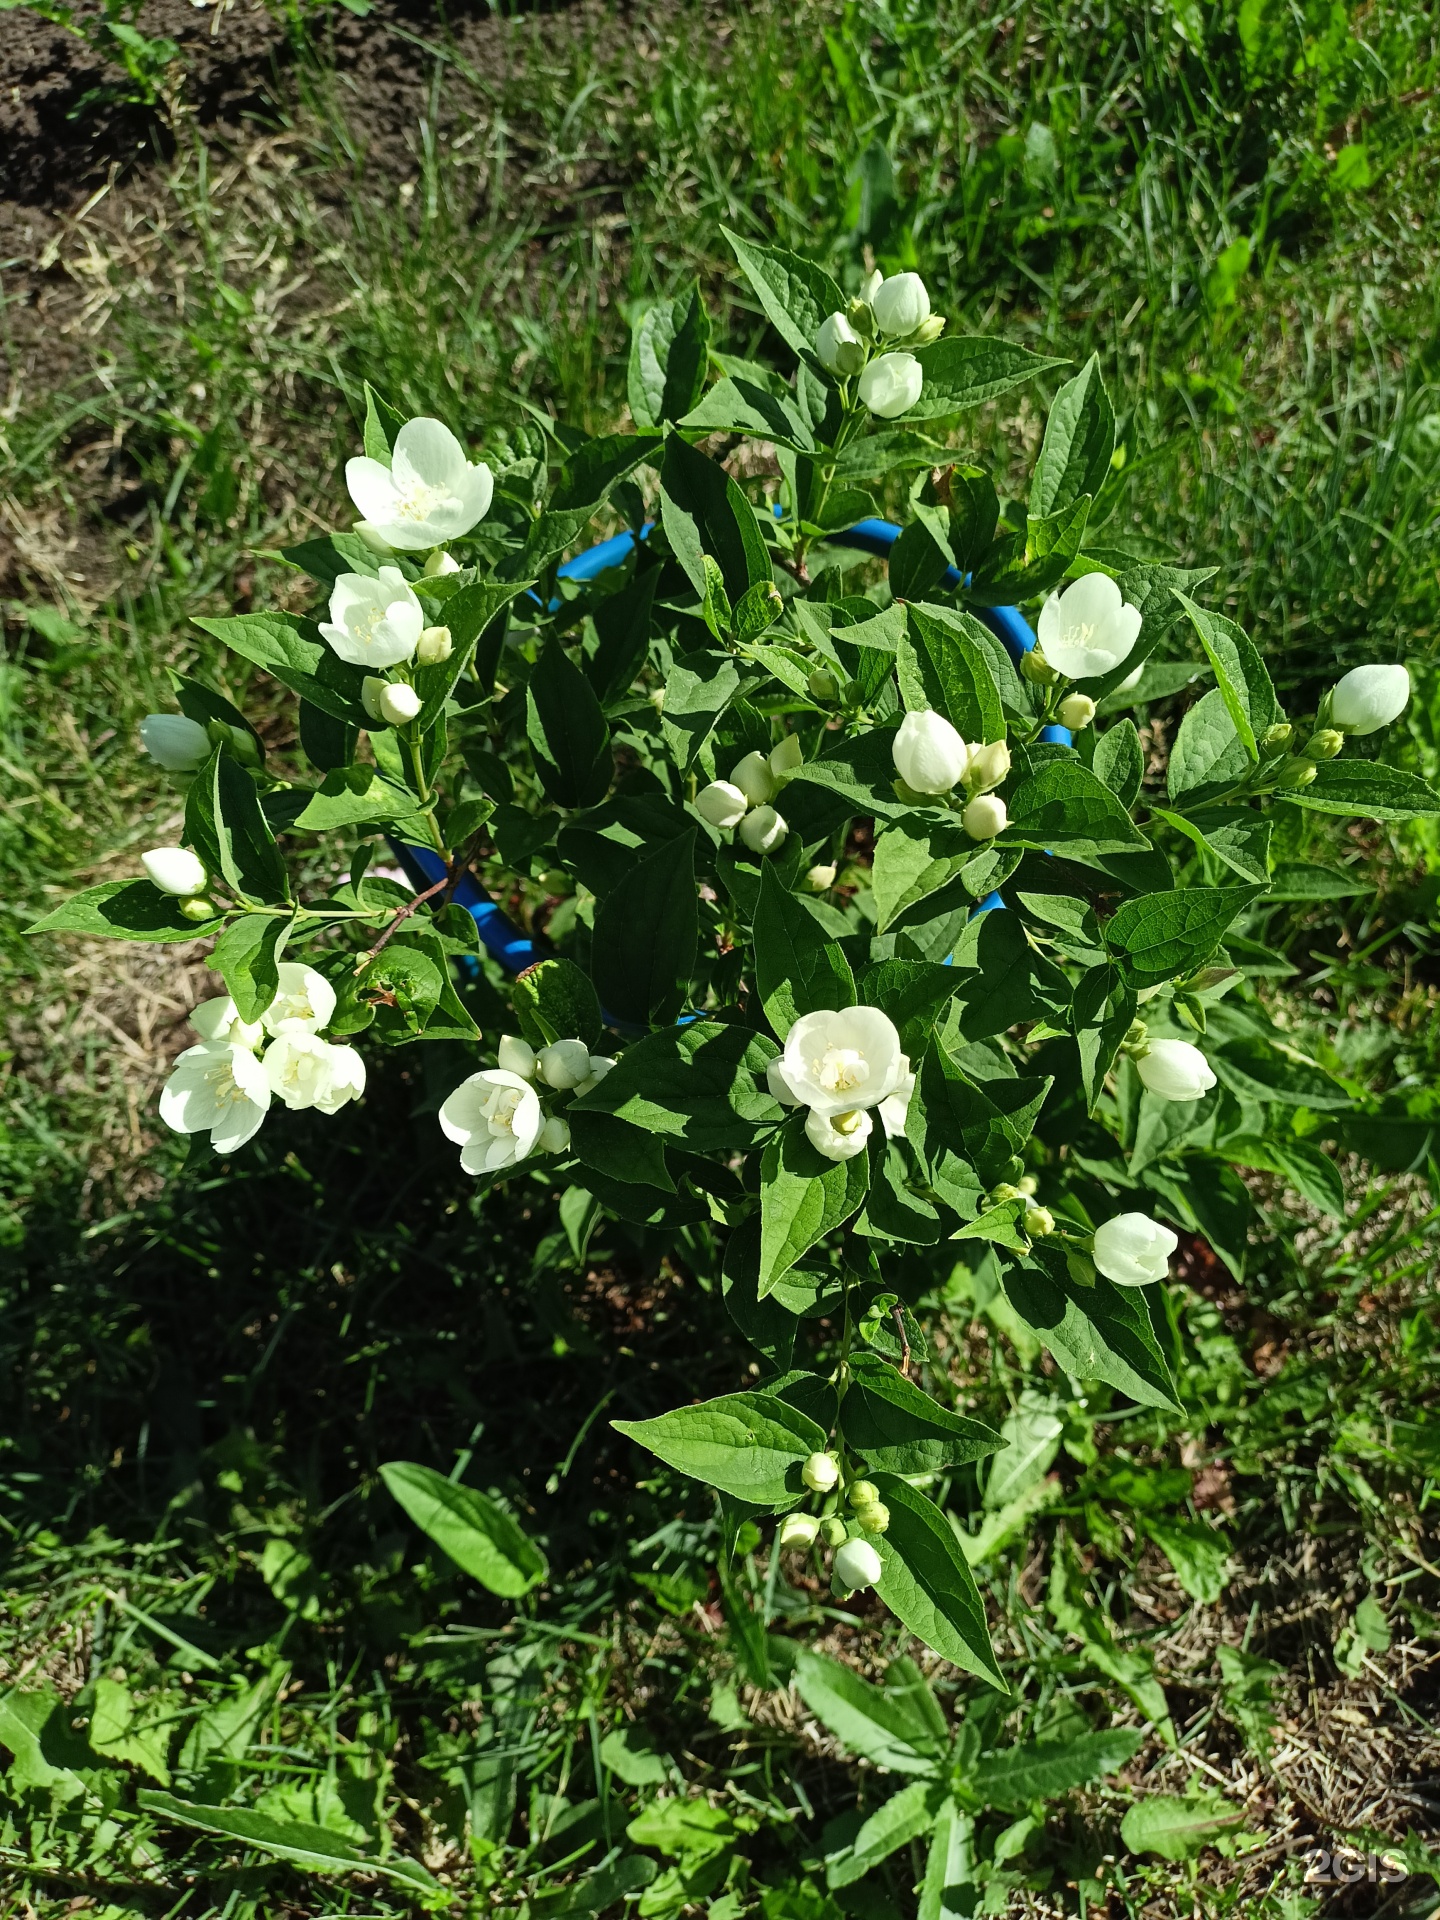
[1275, 739]
[861, 318]
[1299, 773]
[875, 1518]
[1005, 1191]
[823, 686]
[198, 908]
[1029, 1186]
[862, 1493]
[1038, 1222]
[834, 1531]
[927, 333]
[1324, 745]
[1076, 711]
[1037, 669]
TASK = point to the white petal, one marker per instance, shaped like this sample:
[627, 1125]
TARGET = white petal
[371, 488]
[426, 450]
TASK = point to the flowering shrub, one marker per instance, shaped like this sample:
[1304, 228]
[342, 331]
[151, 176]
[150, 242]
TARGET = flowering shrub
[874, 939]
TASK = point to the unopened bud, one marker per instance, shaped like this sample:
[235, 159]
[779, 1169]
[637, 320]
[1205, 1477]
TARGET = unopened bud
[398, 702]
[821, 1472]
[657, 699]
[1324, 745]
[834, 1532]
[798, 1530]
[1038, 1222]
[1037, 669]
[763, 830]
[985, 817]
[554, 1135]
[1006, 1191]
[434, 645]
[875, 1518]
[989, 765]
[722, 804]
[753, 777]
[823, 686]
[1275, 739]
[1299, 773]
[1076, 711]
[563, 1064]
[440, 563]
[857, 1564]
[1028, 1186]
[820, 879]
[514, 1055]
[861, 318]
[197, 909]
[928, 332]
[862, 1493]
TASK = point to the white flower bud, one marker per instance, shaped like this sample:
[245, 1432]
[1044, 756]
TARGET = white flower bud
[657, 699]
[763, 830]
[754, 779]
[798, 1530]
[929, 755]
[1174, 1070]
[554, 1135]
[721, 803]
[1076, 711]
[434, 646]
[823, 686]
[928, 332]
[175, 870]
[786, 757]
[839, 348]
[564, 1064]
[871, 285]
[1369, 698]
[514, 1055]
[900, 304]
[1133, 1250]
[985, 817]
[891, 385]
[838, 1136]
[174, 741]
[989, 765]
[440, 563]
[857, 1564]
[821, 1472]
[820, 879]
[398, 702]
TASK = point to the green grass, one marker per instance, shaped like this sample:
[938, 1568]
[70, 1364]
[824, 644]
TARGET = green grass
[206, 1374]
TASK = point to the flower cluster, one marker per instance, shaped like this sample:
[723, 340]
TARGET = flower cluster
[844, 1065]
[224, 1085]
[895, 311]
[744, 800]
[932, 760]
[496, 1117]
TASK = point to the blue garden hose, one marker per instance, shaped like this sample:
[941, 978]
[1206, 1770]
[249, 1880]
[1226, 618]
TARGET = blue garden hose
[516, 951]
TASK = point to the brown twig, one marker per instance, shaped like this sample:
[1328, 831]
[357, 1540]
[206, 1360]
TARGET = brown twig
[401, 917]
[904, 1340]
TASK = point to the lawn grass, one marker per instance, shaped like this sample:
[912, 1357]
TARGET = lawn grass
[208, 1372]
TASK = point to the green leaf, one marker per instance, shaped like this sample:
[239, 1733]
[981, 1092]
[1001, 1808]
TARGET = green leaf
[927, 1584]
[903, 1818]
[915, 857]
[1079, 440]
[326, 742]
[737, 405]
[1367, 788]
[1065, 808]
[702, 1085]
[918, 560]
[897, 1428]
[48, 1755]
[1103, 1011]
[948, 1891]
[1239, 837]
[247, 958]
[1017, 570]
[555, 1001]
[596, 468]
[352, 794]
[705, 512]
[124, 910]
[291, 650]
[1311, 1172]
[122, 1728]
[1001, 975]
[953, 675]
[698, 689]
[1099, 1332]
[622, 629]
[967, 370]
[751, 1445]
[1161, 935]
[682, 1826]
[799, 968]
[567, 731]
[879, 1725]
[1240, 675]
[794, 293]
[619, 1151]
[668, 352]
[318, 1849]
[913, 993]
[1300, 880]
[860, 768]
[1199, 1553]
[382, 423]
[1177, 1829]
[479, 1536]
[643, 950]
[1031, 1434]
[1120, 762]
[1208, 757]
[803, 1196]
[249, 857]
[1043, 1770]
[327, 557]
[404, 986]
[471, 615]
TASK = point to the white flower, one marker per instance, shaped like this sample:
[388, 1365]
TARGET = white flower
[178, 743]
[839, 348]
[891, 385]
[600, 1065]
[763, 830]
[721, 803]
[428, 494]
[839, 1136]
[754, 779]
[175, 870]
[514, 1055]
[563, 1064]
[374, 623]
[219, 1021]
[1174, 1070]
[304, 1002]
[1088, 629]
[985, 817]
[929, 755]
[835, 1061]
[398, 703]
[495, 1119]
[989, 765]
[1369, 698]
[894, 1108]
[1132, 1249]
[305, 1071]
[1076, 711]
[820, 1472]
[857, 1564]
[900, 304]
[221, 1089]
[785, 757]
